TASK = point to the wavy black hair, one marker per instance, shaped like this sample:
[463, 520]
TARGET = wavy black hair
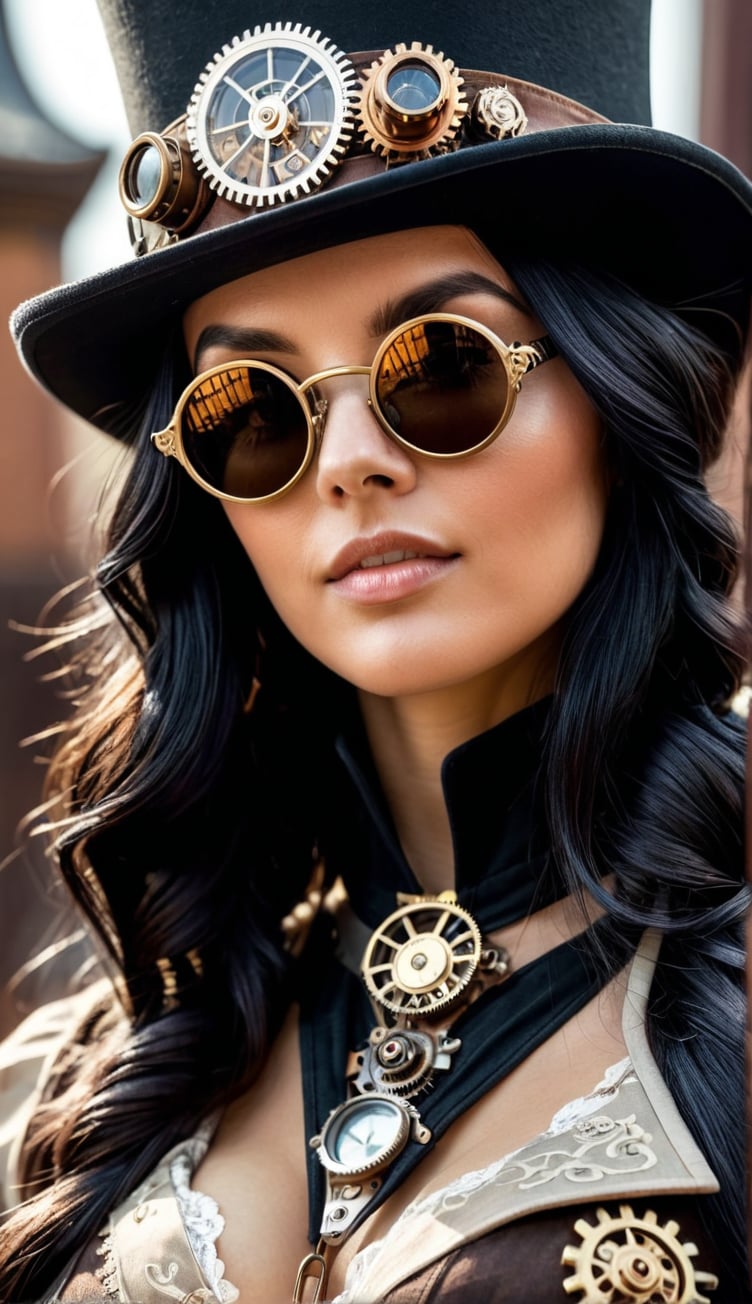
[178, 837]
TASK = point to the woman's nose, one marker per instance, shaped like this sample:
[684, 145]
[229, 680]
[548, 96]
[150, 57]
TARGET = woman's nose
[356, 457]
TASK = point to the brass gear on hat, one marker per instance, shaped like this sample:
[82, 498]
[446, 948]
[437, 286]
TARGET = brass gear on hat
[272, 115]
[411, 104]
[497, 114]
[631, 1260]
[420, 960]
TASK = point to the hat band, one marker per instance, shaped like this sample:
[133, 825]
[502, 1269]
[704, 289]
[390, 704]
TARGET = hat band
[280, 112]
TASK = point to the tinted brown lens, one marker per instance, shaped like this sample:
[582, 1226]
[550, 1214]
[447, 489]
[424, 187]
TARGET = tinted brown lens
[442, 387]
[245, 432]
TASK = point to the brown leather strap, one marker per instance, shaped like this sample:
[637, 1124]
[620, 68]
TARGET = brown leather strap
[545, 110]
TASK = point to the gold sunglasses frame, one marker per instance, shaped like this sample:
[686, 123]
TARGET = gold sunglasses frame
[517, 359]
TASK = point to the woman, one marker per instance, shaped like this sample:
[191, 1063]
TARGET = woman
[436, 603]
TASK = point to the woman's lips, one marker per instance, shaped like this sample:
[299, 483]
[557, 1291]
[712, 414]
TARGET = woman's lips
[387, 567]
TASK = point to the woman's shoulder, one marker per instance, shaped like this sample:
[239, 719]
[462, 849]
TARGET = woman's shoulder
[26, 1059]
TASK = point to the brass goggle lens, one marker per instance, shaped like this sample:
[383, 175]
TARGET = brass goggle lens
[412, 103]
[159, 184]
[414, 87]
[146, 176]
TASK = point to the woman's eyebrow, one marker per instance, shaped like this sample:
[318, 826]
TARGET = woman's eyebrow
[432, 297]
[242, 341]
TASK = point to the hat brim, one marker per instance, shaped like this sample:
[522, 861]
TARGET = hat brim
[669, 216]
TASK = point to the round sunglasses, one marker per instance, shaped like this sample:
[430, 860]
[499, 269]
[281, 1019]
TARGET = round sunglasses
[440, 385]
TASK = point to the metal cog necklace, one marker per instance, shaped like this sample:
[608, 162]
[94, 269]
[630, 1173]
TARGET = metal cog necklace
[422, 968]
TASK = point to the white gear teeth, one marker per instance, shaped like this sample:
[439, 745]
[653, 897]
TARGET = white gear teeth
[268, 68]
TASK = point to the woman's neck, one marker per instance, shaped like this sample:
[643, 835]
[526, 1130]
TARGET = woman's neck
[409, 738]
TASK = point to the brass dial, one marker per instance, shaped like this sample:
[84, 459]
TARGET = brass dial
[363, 1135]
[421, 959]
[272, 114]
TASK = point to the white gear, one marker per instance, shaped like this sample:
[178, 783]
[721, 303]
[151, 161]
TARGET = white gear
[272, 115]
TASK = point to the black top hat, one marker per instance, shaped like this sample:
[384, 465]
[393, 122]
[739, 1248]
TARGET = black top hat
[274, 145]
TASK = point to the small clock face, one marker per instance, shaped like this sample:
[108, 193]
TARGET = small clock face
[271, 115]
[363, 1134]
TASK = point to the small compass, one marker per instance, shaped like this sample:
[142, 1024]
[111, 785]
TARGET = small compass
[271, 115]
[423, 956]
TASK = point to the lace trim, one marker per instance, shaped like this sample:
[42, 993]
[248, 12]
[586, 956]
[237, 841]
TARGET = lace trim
[107, 1273]
[613, 1079]
[204, 1225]
[468, 1183]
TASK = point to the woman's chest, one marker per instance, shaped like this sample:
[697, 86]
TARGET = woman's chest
[468, 1194]
[256, 1168]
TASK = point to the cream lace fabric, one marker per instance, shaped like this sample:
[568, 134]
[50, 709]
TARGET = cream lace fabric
[204, 1225]
[464, 1187]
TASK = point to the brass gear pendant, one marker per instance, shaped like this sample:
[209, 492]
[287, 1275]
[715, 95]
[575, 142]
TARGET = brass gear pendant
[401, 1061]
[411, 104]
[631, 1260]
[422, 958]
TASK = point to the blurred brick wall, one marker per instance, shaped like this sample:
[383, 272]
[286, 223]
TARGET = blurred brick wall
[44, 175]
[32, 563]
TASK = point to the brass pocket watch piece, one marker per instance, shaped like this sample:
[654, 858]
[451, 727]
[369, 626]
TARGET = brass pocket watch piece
[358, 1141]
[401, 1061]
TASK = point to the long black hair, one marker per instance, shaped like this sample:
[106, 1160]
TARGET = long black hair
[186, 828]
[653, 655]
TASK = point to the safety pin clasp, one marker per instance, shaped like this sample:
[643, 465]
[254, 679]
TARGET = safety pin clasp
[314, 1269]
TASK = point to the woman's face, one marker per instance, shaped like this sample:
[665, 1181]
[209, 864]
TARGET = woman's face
[499, 543]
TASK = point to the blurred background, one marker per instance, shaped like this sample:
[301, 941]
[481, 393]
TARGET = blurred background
[62, 135]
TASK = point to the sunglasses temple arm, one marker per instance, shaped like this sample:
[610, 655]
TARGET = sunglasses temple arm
[540, 351]
[523, 358]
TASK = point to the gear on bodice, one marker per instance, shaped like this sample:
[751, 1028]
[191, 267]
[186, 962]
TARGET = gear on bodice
[631, 1260]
